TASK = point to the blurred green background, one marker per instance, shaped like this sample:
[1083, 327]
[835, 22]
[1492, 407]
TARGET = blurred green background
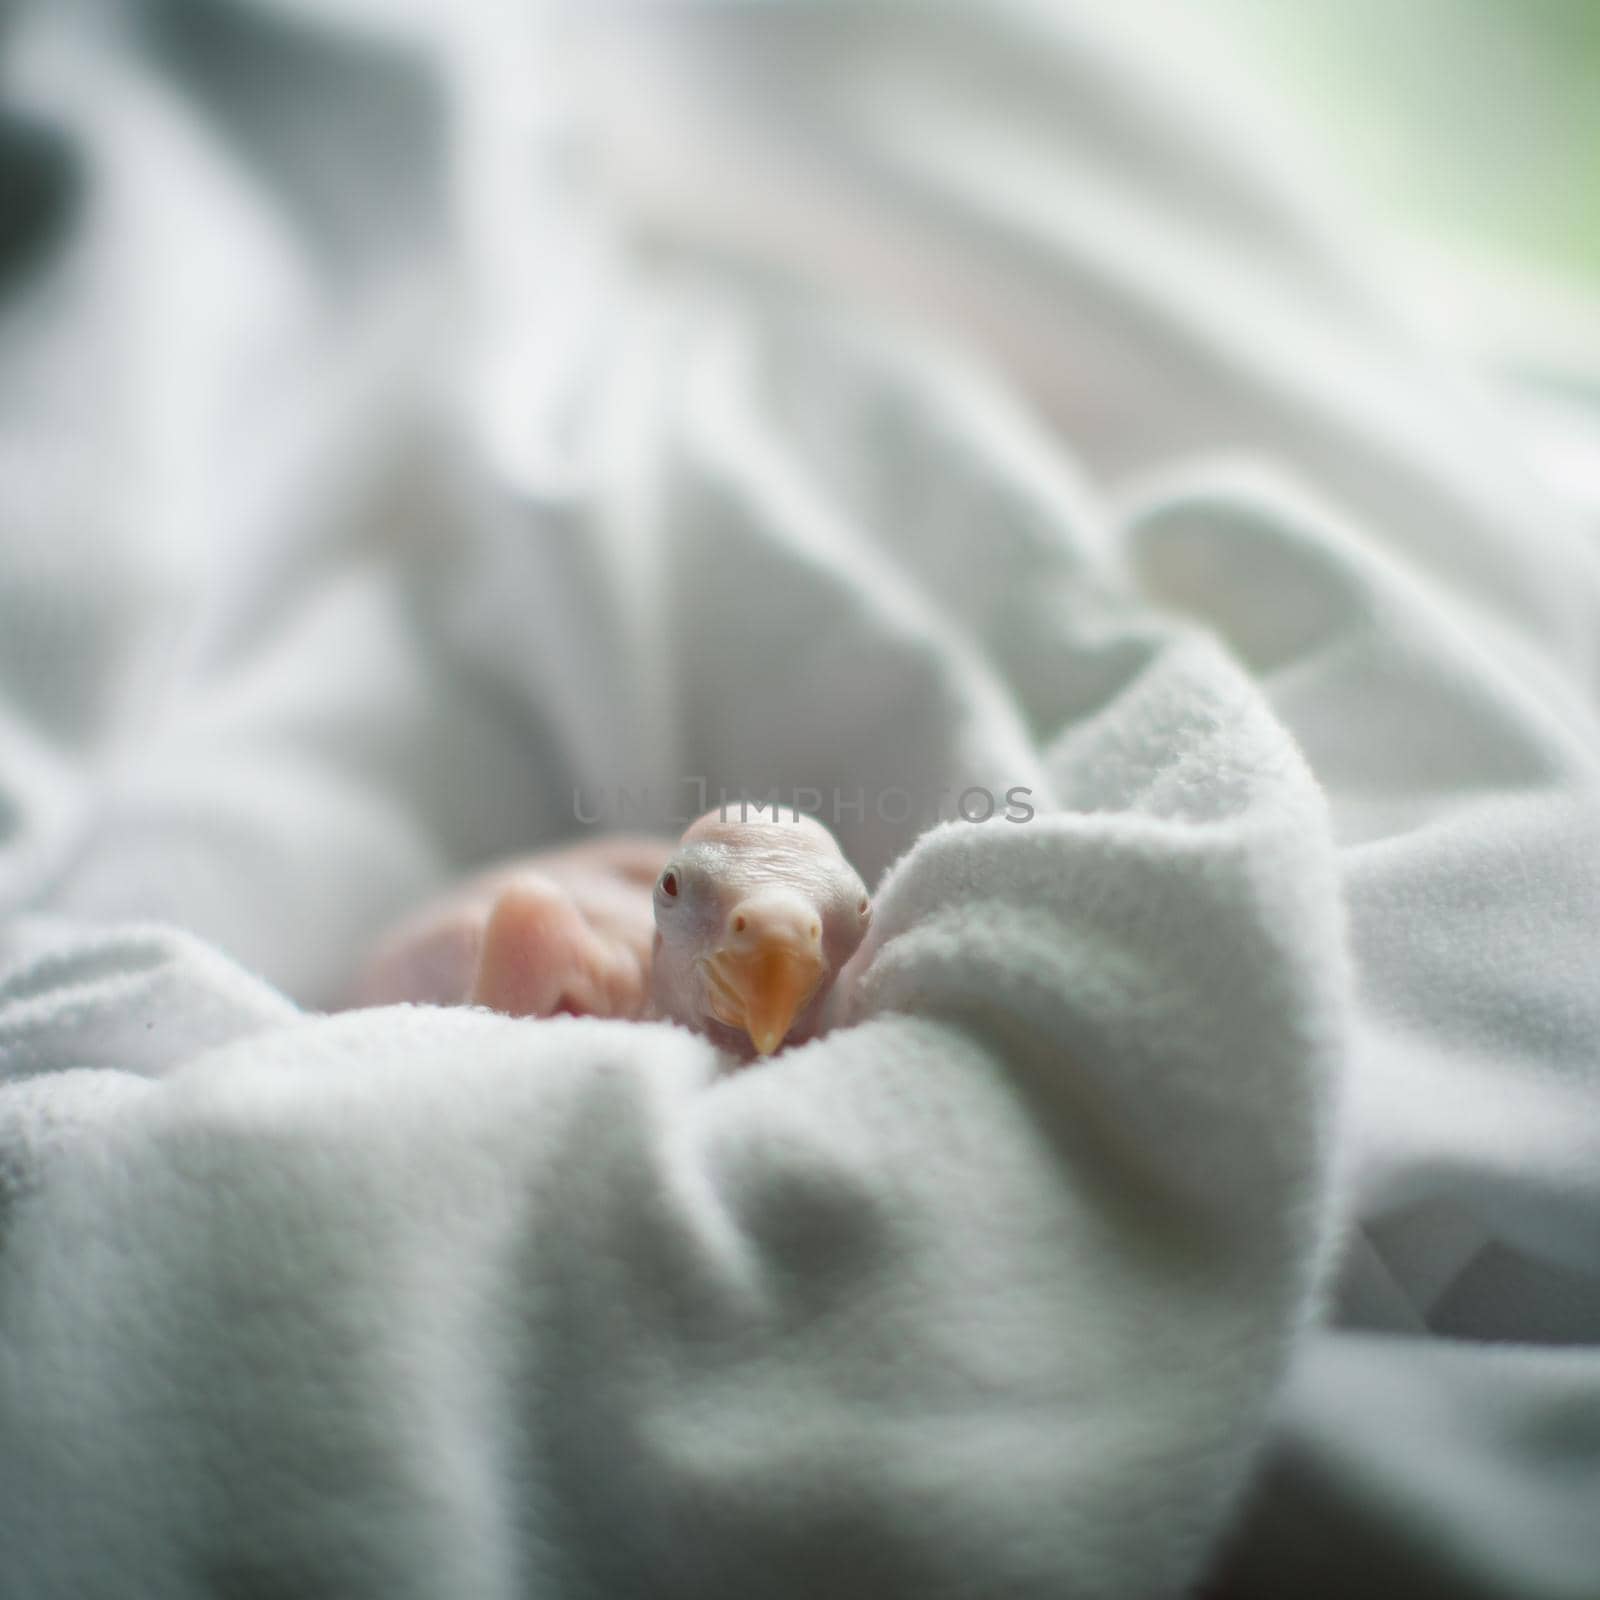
[1473, 124]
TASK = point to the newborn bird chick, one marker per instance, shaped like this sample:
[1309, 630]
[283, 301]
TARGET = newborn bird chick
[754, 920]
[737, 931]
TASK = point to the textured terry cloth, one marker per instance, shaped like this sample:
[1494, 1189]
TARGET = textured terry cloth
[396, 438]
[987, 1292]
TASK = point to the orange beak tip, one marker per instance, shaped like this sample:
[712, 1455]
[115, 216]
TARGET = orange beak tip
[763, 993]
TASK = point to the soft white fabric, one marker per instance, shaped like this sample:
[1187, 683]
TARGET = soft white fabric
[406, 434]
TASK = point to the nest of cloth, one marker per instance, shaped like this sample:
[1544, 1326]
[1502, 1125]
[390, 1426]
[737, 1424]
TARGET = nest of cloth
[417, 444]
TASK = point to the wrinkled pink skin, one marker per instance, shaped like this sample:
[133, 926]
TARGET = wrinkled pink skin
[587, 930]
[565, 931]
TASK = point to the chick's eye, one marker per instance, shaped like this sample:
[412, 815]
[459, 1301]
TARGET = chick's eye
[669, 884]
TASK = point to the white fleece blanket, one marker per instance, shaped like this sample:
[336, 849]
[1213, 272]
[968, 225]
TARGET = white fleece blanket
[405, 444]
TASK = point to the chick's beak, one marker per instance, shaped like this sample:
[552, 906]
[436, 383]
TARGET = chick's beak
[763, 976]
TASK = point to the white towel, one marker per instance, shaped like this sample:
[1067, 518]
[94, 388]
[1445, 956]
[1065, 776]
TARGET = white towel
[767, 412]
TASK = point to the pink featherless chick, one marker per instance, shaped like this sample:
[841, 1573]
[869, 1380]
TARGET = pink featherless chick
[738, 931]
[754, 919]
